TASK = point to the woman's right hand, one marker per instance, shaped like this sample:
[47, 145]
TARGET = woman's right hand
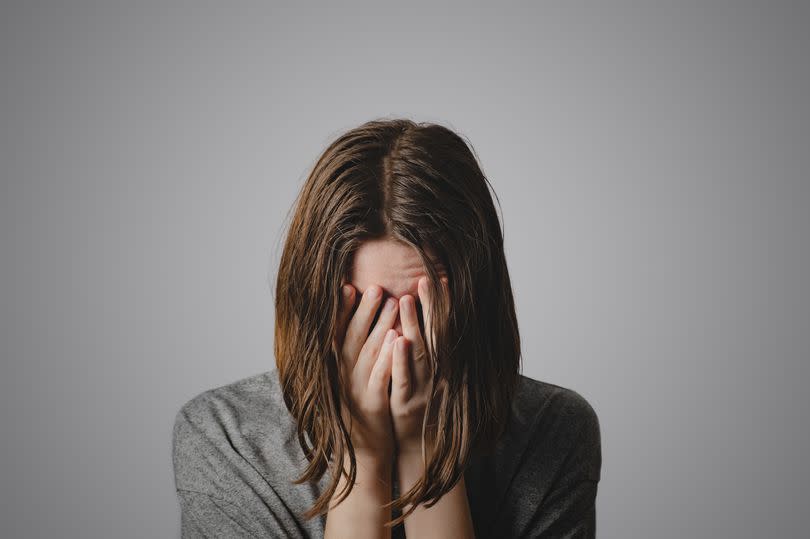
[364, 362]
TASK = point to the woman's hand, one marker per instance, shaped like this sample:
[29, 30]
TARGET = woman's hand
[410, 391]
[364, 361]
[410, 372]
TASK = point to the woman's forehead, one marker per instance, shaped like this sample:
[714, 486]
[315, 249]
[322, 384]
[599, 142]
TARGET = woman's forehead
[394, 266]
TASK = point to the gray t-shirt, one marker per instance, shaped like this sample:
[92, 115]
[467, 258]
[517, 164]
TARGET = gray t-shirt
[235, 454]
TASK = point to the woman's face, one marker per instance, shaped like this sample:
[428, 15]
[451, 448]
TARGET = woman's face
[394, 266]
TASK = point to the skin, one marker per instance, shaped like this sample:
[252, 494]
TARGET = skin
[386, 429]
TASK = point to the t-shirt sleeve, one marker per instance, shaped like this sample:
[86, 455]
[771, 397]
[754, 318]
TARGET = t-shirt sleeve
[204, 516]
[568, 510]
[221, 493]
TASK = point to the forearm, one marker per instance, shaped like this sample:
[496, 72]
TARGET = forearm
[449, 517]
[361, 515]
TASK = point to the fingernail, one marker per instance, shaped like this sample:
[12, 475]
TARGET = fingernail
[390, 303]
[347, 291]
[401, 344]
[389, 336]
[373, 291]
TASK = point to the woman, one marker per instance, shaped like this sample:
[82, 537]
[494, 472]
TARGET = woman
[396, 406]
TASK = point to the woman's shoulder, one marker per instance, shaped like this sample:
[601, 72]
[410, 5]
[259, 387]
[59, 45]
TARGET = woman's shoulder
[241, 422]
[551, 451]
[545, 401]
[239, 399]
[557, 419]
[235, 455]
[242, 404]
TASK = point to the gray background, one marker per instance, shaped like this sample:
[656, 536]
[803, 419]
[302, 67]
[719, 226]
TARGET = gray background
[653, 170]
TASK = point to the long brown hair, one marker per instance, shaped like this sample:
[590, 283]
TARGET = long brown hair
[419, 184]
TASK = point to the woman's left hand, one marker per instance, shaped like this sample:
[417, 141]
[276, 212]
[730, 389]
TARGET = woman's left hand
[410, 372]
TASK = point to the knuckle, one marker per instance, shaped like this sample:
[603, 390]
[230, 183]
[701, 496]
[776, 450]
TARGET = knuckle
[345, 350]
[405, 410]
[370, 349]
[369, 407]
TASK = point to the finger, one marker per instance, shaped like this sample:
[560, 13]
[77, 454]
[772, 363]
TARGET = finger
[416, 358]
[401, 386]
[344, 312]
[410, 320]
[425, 297]
[380, 374]
[357, 329]
[371, 348]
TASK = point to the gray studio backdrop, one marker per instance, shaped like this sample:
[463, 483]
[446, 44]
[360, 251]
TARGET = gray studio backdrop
[653, 168]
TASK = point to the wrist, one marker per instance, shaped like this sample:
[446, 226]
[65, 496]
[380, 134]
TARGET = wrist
[372, 460]
[409, 468]
[373, 477]
[412, 446]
